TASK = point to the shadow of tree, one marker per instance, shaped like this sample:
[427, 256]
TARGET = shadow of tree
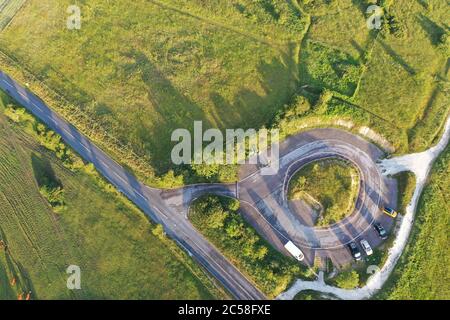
[250, 109]
[362, 5]
[43, 172]
[423, 3]
[433, 30]
[174, 110]
[358, 48]
[396, 57]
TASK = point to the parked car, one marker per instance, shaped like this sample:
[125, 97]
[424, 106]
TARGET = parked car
[356, 254]
[380, 230]
[366, 247]
[390, 212]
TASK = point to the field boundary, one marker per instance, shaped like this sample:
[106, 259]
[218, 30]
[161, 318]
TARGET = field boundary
[11, 7]
[219, 24]
[76, 117]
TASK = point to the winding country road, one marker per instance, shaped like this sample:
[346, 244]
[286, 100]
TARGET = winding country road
[263, 197]
[149, 200]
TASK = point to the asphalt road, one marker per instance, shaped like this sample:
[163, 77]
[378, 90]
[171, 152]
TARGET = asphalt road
[263, 197]
[149, 200]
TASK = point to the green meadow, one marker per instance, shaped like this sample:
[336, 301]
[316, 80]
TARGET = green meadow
[98, 230]
[145, 68]
[138, 71]
[422, 271]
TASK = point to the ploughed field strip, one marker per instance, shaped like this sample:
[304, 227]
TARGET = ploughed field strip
[8, 9]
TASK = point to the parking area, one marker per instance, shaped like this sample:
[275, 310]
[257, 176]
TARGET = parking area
[266, 196]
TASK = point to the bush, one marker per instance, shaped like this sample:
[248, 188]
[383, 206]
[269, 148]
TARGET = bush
[347, 280]
[211, 173]
[159, 232]
[231, 203]
[321, 106]
[46, 137]
[300, 106]
[55, 196]
[217, 218]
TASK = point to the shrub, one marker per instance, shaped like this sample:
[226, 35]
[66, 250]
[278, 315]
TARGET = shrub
[325, 97]
[217, 218]
[347, 280]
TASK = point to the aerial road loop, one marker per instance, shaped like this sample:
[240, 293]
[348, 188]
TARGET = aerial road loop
[166, 206]
[149, 200]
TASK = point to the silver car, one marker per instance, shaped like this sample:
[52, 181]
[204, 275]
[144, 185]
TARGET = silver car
[366, 247]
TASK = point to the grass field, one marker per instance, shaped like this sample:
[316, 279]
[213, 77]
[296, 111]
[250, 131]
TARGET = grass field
[406, 185]
[329, 68]
[423, 269]
[333, 51]
[331, 183]
[97, 230]
[340, 25]
[391, 73]
[140, 71]
[398, 76]
[144, 69]
[431, 121]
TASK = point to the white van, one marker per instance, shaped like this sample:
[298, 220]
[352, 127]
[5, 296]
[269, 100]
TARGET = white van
[294, 250]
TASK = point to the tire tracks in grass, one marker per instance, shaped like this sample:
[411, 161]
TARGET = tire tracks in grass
[220, 25]
[19, 215]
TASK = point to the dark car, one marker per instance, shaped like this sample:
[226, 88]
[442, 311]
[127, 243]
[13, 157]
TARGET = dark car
[380, 230]
[356, 254]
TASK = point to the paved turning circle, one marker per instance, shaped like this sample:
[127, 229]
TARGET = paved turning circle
[266, 195]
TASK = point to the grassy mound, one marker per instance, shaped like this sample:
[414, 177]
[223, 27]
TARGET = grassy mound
[330, 186]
